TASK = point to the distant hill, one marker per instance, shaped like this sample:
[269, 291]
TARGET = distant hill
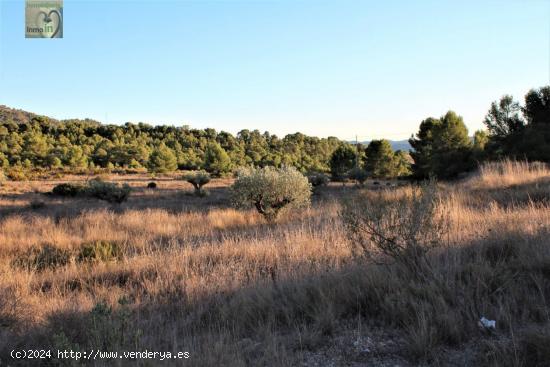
[18, 116]
[8, 114]
[31, 140]
[395, 144]
[400, 145]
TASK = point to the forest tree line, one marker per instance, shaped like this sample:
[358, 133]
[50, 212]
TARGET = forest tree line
[442, 147]
[33, 141]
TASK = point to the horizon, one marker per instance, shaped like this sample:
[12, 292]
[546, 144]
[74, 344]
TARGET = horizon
[320, 68]
[190, 127]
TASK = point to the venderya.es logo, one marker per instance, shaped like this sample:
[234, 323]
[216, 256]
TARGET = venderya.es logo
[44, 19]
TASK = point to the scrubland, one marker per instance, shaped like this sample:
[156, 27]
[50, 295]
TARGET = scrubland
[168, 271]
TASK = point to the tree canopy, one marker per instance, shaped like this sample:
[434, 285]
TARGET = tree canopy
[442, 147]
[216, 160]
[35, 141]
[342, 161]
[382, 162]
[521, 132]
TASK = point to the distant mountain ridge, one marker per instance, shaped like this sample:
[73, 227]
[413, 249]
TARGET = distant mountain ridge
[24, 117]
[18, 116]
[395, 144]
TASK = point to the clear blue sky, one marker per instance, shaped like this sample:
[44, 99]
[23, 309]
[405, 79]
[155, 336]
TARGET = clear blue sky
[340, 68]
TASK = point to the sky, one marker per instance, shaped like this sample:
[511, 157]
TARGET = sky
[340, 68]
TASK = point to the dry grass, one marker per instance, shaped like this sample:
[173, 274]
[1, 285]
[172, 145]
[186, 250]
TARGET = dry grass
[232, 290]
[508, 173]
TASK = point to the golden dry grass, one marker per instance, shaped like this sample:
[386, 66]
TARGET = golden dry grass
[507, 172]
[200, 276]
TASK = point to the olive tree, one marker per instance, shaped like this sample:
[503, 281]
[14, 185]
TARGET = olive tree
[270, 190]
[198, 180]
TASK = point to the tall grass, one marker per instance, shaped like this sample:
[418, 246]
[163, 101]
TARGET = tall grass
[509, 172]
[195, 275]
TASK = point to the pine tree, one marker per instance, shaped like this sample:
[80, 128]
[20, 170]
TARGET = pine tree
[216, 160]
[162, 160]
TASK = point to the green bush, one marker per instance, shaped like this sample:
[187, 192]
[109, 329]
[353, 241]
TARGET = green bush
[359, 175]
[270, 190]
[42, 258]
[111, 192]
[317, 179]
[99, 251]
[67, 189]
[112, 326]
[198, 180]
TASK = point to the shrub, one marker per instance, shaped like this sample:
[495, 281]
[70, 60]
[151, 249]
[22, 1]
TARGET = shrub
[41, 258]
[2, 178]
[16, 173]
[271, 190]
[359, 175]
[111, 192]
[37, 204]
[317, 179]
[152, 185]
[67, 189]
[112, 326]
[403, 226]
[100, 251]
[198, 180]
